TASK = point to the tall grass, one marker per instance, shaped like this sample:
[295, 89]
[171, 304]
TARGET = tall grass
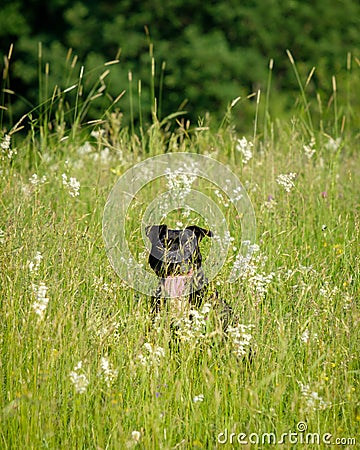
[302, 298]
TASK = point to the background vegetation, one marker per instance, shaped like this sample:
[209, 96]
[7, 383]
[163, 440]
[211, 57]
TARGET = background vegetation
[206, 54]
[82, 365]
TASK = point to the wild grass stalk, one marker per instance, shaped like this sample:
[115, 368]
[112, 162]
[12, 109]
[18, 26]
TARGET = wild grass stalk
[336, 129]
[4, 87]
[267, 100]
[256, 116]
[161, 89]
[132, 120]
[302, 92]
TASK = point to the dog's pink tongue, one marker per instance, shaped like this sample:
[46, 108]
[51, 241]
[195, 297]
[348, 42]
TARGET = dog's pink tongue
[176, 286]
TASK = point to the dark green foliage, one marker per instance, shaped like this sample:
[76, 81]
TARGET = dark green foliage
[214, 51]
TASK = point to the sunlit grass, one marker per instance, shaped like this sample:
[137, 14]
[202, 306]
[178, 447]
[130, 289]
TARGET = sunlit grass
[301, 298]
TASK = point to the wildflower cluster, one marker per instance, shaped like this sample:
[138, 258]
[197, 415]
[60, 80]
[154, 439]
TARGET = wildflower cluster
[198, 398]
[240, 339]
[286, 181]
[152, 356]
[245, 148]
[270, 203]
[103, 286]
[192, 327]
[305, 337]
[181, 178]
[248, 263]
[135, 436]
[333, 144]
[249, 268]
[312, 398]
[41, 301]
[108, 373]
[2, 236]
[327, 291]
[260, 283]
[222, 198]
[309, 149]
[237, 194]
[34, 265]
[179, 182]
[39, 290]
[5, 147]
[36, 181]
[72, 185]
[79, 379]
[103, 156]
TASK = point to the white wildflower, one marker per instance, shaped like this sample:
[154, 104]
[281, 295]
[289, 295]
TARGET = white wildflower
[34, 265]
[108, 373]
[245, 148]
[152, 356]
[333, 144]
[222, 198]
[309, 149]
[305, 337]
[198, 398]
[260, 283]
[85, 149]
[79, 379]
[42, 301]
[98, 134]
[136, 435]
[206, 308]
[306, 269]
[192, 328]
[5, 146]
[247, 269]
[251, 186]
[105, 156]
[181, 178]
[246, 266]
[2, 236]
[237, 194]
[312, 398]
[36, 181]
[240, 339]
[347, 302]
[326, 290]
[72, 184]
[270, 203]
[286, 180]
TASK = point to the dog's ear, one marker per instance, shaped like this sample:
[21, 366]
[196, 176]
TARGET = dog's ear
[200, 232]
[154, 232]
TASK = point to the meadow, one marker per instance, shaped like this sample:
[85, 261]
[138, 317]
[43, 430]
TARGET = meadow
[82, 364]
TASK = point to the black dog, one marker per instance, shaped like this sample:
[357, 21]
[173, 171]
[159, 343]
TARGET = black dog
[176, 259]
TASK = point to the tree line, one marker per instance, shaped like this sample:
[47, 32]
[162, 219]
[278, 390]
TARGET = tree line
[205, 54]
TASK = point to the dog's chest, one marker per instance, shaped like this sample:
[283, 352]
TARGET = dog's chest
[176, 289]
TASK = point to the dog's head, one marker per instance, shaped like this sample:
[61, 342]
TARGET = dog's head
[175, 254]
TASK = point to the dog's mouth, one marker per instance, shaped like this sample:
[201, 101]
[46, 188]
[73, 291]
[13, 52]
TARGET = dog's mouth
[176, 286]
